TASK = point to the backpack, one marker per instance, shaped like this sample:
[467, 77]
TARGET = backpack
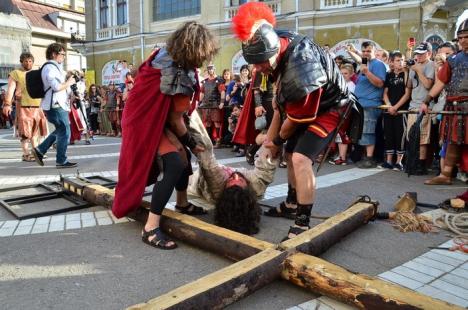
[34, 84]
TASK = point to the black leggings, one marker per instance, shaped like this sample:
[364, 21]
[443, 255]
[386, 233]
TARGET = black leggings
[175, 175]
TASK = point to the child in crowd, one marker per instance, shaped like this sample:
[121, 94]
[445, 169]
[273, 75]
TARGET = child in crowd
[396, 96]
[347, 70]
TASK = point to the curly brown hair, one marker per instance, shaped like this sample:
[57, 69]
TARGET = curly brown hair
[191, 45]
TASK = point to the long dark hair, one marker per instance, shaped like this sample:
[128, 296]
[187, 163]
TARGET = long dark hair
[237, 209]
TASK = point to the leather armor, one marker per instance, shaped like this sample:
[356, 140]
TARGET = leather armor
[308, 68]
[174, 79]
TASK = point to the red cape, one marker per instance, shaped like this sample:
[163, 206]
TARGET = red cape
[76, 127]
[245, 132]
[143, 122]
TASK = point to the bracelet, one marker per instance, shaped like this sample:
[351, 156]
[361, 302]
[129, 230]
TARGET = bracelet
[278, 141]
[428, 99]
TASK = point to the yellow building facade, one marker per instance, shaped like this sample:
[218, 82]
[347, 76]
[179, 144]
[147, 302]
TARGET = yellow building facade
[130, 29]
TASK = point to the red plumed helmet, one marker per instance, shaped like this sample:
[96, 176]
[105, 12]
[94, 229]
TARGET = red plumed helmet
[248, 14]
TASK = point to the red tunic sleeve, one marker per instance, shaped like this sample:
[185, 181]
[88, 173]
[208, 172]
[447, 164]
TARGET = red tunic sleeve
[445, 73]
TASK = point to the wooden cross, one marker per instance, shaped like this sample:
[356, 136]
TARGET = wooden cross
[260, 263]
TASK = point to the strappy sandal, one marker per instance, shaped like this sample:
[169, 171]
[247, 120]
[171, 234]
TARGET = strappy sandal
[28, 158]
[289, 213]
[160, 240]
[296, 231]
[191, 209]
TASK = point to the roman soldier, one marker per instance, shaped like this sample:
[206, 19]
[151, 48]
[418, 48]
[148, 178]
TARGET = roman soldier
[311, 99]
[453, 76]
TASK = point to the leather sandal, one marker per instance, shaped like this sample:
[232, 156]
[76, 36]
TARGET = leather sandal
[289, 213]
[160, 240]
[438, 180]
[191, 209]
[28, 158]
[296, 231]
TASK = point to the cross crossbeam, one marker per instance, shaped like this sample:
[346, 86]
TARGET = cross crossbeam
[262, 262]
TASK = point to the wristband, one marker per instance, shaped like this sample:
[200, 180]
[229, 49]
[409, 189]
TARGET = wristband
[188, 140]
[278, 141]
[428, 99]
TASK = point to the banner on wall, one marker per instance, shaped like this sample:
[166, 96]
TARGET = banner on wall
[340, 48]
[111, 72]
[237, 62]
[90, 78]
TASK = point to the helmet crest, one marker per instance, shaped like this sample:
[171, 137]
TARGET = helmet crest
[248, 15]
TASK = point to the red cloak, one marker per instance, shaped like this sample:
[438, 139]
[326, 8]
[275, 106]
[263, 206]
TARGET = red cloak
[245, 132]
[143, 121]
[76, 127]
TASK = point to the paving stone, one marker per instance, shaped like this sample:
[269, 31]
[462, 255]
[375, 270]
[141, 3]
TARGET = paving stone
[456, 280]
[461, 272]
[464, 266]
[88, 222]
[56, 227]
[401, 280]
[120, 220]
[1, 223]
[73, 224]
[100, 214]
[73, 217]
[104, 221]
[294, 308]
[43, 220]
[436, 293]
[87, 215]
[39, 228]
[6, 232]
[413, 274]
[22, 230]
[10, 224]
[28, 222]
[57, 219]
[453, 254]
[433, 263]
[450, 288]
[443, 259]
[424, 269]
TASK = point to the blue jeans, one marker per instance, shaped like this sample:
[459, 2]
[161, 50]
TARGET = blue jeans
[61, 134]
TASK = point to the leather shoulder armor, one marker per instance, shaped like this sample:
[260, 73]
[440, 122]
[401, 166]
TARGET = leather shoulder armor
[308, 68]
[174, 79]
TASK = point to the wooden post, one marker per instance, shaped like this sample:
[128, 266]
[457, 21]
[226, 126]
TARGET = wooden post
[362, 291]
[223, 287]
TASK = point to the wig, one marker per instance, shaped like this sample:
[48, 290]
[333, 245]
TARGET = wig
[248, 15]
[237, 209]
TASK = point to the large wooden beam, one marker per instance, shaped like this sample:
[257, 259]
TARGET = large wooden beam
[362, 291]
[320, 238]
[240, 279]
[223, 287]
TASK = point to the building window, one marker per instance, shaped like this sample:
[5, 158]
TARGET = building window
[237, 2]
[103, 14]
[166, 9]
[121, 12]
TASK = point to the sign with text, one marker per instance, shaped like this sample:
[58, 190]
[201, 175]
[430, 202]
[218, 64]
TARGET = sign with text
[111, 72]
[237, 62]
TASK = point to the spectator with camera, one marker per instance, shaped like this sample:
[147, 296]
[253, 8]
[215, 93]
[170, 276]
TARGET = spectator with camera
[369, 91]
[421, 79]
[56, 106]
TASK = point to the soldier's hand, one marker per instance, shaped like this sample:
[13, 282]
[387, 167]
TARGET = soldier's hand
[274, 149]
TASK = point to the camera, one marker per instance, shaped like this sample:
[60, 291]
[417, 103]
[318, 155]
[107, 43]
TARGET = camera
[410, 62]
[364, 61]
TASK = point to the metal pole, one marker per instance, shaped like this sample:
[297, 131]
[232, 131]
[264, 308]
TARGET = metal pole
[297, 17]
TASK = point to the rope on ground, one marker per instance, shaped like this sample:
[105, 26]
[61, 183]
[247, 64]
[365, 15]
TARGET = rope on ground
[456, 223]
